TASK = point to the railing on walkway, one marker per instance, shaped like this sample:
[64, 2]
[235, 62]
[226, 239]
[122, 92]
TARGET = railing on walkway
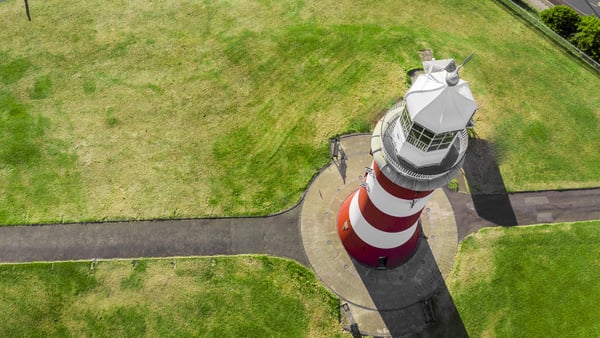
[562, 42]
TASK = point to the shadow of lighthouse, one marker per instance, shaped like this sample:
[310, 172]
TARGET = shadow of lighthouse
[490, 199]
[412, 299]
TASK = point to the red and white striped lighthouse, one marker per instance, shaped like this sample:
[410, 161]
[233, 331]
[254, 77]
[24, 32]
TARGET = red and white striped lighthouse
[418, 146]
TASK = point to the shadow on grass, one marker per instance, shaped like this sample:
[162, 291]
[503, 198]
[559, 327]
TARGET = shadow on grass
[488, 191]
[412, 299]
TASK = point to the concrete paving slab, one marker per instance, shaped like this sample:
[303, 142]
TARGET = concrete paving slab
[440, 228]
[536, 200]
[545, 217]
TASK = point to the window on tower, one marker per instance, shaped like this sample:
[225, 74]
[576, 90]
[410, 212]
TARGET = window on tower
[423, 138]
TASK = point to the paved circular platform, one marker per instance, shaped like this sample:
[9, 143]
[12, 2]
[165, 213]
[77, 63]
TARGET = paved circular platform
[374, 294]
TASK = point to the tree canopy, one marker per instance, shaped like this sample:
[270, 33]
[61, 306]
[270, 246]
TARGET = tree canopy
[561, 19]
[587, 37]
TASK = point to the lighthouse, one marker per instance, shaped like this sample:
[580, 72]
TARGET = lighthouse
[418, 146]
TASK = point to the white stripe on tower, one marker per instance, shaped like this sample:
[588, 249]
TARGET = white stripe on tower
[390, 204]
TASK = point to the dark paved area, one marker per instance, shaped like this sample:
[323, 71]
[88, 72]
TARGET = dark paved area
[473, 212]
[584, 7]
[277, 235]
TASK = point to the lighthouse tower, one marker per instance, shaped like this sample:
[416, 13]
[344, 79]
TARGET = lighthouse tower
[418, 146]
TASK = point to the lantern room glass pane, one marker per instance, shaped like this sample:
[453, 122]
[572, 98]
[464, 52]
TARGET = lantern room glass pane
[423, 138]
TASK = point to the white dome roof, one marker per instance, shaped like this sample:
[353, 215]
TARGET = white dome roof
[437, 106]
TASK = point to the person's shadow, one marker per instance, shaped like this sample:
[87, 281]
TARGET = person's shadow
[338, 157]
[490, 199]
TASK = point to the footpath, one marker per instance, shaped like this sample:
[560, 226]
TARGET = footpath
[473, 212]
[276, 235]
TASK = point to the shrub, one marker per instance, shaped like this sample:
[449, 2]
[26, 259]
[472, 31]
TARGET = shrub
[561, 19]
[587, 37]
[453, 184]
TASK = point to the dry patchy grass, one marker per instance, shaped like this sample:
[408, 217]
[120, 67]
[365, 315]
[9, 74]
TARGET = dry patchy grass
[253, 296]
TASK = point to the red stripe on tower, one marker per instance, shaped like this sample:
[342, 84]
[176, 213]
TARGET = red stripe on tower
[395, 189]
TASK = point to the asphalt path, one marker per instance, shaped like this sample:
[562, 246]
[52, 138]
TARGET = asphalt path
[585, 7]
[277, 235]
[473, 212]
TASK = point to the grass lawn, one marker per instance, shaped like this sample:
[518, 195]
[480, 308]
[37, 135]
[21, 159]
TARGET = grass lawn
[154, 109]
[530, 281]
[241, 296]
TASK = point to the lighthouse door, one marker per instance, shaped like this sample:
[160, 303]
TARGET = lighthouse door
[381, 263]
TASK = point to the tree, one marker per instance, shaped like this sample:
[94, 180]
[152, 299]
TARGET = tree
[561, 19]
[587, 37]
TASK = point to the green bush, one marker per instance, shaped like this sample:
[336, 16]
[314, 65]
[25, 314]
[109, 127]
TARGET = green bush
[561, 19]
[453, 185]
[587, 37]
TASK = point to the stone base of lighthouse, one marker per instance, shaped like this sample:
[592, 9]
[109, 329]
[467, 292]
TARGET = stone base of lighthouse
[403, 301]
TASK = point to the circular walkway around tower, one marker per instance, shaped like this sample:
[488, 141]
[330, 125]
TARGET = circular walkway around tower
[376, 299]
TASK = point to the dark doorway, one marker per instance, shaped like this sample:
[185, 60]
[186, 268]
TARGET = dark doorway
[381, 263]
